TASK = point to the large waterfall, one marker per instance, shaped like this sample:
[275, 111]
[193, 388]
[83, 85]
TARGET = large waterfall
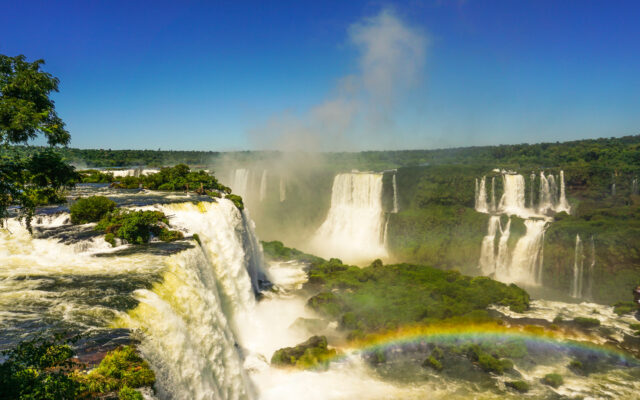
[187, 308]
[523, 263]
[354, 227]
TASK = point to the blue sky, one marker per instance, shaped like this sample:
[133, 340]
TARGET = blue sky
[234, 75]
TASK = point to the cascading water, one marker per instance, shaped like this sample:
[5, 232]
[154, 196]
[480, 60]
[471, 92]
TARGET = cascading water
[578, 269]
[353, 229]
[532, 179]
[263, 185]
[592, 269]
[240, 181]
[395, 195]
[545, 202]
[186, 336]
[634, 186]
[503, 258]
[526, 261]
[481, 196]
[512, 201]
[283, 190]
[563, 204]
[487, 251]
[493, 194]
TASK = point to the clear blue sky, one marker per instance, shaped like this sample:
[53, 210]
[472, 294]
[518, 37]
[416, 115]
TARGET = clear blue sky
[210, 75]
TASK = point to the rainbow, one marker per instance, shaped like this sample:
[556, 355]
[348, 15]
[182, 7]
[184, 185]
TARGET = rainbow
[533, 336]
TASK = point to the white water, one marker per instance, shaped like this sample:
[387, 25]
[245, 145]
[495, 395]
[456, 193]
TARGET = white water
[240, 182]
[512, 200]
[526, 264]
[481, 195]
[354, 227]
[263, 185]
[487, 251]
[493, 194]
[578, 269]
[395, 194]
[283, 190]
[634, 186]
[563, 204]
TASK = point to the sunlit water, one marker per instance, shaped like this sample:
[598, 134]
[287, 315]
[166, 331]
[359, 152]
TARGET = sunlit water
[194, 310]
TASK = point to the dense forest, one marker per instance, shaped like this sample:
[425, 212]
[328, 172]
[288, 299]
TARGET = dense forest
[619, 153]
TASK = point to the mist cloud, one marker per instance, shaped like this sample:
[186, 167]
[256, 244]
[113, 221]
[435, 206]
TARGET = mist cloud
[360, 112]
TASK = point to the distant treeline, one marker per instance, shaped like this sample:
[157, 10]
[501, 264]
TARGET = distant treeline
[612, 152]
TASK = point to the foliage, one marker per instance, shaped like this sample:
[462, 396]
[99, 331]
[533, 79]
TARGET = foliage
[520, 386]
[237, 200]
[136, 227]
[120, 368]
[25, 106]
[313, 353]
[33, 179]
[90, 209]
[553, 380]
[586, 322]
[176, 178]
[625, 307]
[375, 299]
[432, 362]
[127, 393]
[95, 176]
[277, 251]
[39, 369]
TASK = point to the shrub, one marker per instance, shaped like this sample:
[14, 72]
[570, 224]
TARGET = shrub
[126, 393]
[110, 238]
[119, 368]
[309, 354]
[576, 366]
[586, 322]
[136, 227]
[553, 380]
[237, 200]
[91, 209]
[39, 369]
[431, 362]
[625, 307]
[520, 386]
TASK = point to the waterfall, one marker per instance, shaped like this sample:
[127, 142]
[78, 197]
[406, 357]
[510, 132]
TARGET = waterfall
[493, 194]
[240, 182]
[495, 260]
[263, 185]
[283, 190]
[578, 269]
[481, 196]
[395, 195]
[487, 251]
[613, 189]
[512, 201]
[563, 204]
[186, 336]
[502, 258]
[532, 179]
[634, 186]
[553, 190]
[526, 261]
[545, 202]
[592, 270]
[230, 244]
[353, 228]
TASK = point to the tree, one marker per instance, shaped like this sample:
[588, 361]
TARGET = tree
[26, 110]
[25, 106]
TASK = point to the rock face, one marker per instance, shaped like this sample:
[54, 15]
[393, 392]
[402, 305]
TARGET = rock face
[312, 353]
